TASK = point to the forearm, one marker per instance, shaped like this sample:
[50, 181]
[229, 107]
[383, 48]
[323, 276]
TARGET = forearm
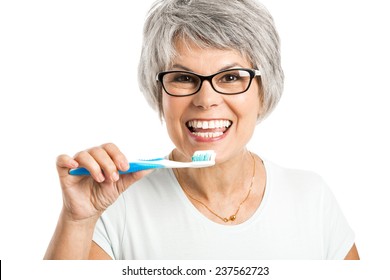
[71, 240]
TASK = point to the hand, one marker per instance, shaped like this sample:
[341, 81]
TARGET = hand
[86, 197]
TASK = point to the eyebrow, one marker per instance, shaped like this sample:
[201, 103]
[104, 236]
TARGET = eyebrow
[229, 66]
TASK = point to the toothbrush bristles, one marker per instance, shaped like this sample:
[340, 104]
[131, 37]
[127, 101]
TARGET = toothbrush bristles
[208, 155]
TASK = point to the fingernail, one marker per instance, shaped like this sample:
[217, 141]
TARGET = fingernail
[100, 177]
[115, 176]
[124, 165]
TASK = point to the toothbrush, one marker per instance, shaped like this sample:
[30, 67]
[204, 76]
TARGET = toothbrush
[199, 159]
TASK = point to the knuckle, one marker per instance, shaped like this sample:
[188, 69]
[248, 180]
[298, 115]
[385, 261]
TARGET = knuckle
[108, 146]
[96, 151]
[118, 157]
[61, 158]
[81, 154]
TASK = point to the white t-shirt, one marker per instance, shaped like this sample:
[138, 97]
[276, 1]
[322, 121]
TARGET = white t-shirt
[298, 219]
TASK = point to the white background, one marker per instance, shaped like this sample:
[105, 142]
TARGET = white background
[68, 81]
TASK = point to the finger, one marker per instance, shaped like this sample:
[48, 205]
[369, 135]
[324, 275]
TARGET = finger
[86, 160]
[64, 163]
[106, 163]
[117, 156]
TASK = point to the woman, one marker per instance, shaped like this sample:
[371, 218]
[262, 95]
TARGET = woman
[218, 75]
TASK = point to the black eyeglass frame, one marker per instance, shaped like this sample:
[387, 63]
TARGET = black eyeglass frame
[252, 73]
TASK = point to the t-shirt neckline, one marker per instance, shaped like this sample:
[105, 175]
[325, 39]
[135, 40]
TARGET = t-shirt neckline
[203, 219]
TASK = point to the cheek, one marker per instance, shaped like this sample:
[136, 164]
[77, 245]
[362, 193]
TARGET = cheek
[168, 108]
[164, 105]
[254, 106]
[248, 107]
[172, 108]
[169, 118]
[248, 118]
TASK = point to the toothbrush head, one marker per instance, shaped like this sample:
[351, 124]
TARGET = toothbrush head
[205, 158]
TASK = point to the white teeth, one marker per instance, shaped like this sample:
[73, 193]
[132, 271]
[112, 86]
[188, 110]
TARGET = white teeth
[212, 124]
[208, 134]
[209, 124]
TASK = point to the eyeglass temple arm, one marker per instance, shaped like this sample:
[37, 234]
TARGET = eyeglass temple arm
[257, 72]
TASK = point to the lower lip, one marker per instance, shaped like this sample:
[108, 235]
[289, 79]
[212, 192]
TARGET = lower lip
[208, 139]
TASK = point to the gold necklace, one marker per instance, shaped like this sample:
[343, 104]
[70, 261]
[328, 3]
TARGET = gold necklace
[234, 216]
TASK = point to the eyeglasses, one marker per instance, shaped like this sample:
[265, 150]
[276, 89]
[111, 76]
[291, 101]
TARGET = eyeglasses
[185, 83]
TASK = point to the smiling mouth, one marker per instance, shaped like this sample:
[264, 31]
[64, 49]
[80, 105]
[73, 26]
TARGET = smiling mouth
[208, 129]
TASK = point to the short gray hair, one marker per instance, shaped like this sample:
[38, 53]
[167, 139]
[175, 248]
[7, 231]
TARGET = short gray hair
[243, 25]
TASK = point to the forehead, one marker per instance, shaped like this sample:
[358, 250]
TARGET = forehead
[191, 54]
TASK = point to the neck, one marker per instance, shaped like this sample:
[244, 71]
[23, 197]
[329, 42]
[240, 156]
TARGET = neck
[226, 179]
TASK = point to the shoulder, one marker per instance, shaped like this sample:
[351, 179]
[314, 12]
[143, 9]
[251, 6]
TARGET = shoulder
[297, 180]
[296, 188]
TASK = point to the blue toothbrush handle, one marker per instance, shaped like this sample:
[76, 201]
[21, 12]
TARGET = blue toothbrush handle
[134, 167]
[138, 166]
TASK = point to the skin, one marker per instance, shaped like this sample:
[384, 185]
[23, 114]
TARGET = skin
[221, 187]
[85, 199]
[241, 109]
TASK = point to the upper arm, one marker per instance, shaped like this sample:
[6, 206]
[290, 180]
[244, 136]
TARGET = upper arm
[97, 253]
[352, 254]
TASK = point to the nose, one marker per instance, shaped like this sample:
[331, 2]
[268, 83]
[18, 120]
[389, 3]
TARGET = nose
[207, 97]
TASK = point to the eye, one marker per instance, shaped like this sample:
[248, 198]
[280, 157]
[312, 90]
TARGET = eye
[229, 78]
[183, 78]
